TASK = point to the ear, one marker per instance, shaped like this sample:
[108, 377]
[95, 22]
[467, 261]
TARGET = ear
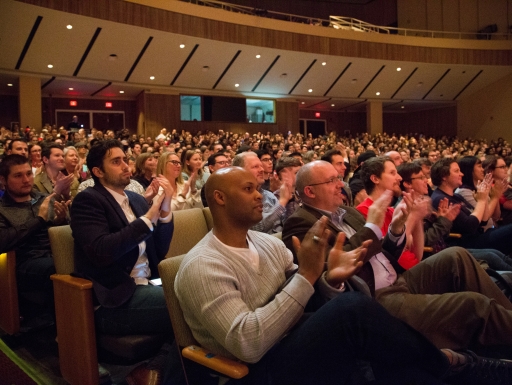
[407, 185]
[3, 181]
[219, 197]
[309, 192]
[44, 159]
[375, 179]
[97, 172]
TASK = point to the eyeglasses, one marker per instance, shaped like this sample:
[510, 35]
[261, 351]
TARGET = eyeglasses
[423, 177]
[504, 167]
[223, 162]
[174, 162]
[334, 179]
[266, 160]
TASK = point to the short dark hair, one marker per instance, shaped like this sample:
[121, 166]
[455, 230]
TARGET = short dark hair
[97, 154]
[329, 154]
[212, 158]
[286, 161]
[9, 146]
[9, 161]
[373, 166]
[440, 170]
[260, 153]
[46, 150]
[423, 162]
[406, 171]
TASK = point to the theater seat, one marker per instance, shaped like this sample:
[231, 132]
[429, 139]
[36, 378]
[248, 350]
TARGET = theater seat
[191, 350]
[9, 308]
[79, 345]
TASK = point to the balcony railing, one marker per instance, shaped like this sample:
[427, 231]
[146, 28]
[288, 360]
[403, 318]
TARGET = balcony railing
[351, 24]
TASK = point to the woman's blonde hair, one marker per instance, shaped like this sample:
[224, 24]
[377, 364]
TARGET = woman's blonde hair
[162, 162]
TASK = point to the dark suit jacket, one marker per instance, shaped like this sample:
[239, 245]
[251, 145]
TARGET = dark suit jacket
[301, 221]
[106, 245]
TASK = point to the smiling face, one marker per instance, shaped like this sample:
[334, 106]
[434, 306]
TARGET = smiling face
[388, 180]
[478, 172]
[56, 160]
[172, 167]
[454, 180]
[254, 166]
[500, 171]
[71, 159]
[324, 188]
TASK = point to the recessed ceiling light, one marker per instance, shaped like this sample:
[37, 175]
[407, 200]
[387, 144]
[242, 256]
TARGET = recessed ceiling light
[71, 88]
[258, 56]
[112, 57]
[121, 92]
[419, 84]
[324, 63]
[205, 68]
[69, 26]
[332, 105]
[310, 90]
[402, 107]
[151, 78]
[9, 85]
[303, 103]
[182, 45]
[377, 93]
[399, 69]
[237, 85]
[50, 65]
[353, 81]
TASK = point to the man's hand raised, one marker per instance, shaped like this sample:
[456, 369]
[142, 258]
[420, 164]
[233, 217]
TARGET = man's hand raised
[311, 252]
[341, 265]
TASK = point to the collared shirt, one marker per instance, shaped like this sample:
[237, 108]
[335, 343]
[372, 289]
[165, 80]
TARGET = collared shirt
[140, 271]
[383, 271]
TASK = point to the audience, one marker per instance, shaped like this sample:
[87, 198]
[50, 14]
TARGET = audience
[171, 172]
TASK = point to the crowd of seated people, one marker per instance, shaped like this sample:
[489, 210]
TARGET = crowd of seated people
[391, 196]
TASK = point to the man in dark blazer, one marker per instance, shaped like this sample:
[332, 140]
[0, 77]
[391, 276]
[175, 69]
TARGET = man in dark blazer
[119, 241]
[462, 307]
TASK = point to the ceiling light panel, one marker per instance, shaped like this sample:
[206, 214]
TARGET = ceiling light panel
[247, 71]
[112, 40]
[49, 41]
[192, 75]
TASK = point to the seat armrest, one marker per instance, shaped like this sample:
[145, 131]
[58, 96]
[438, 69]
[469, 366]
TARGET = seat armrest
[9, 308]
[455, 235]
[76, 333]
[428, 249]
[215, 362]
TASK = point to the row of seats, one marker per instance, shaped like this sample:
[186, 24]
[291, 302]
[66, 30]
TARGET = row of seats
[79, 346]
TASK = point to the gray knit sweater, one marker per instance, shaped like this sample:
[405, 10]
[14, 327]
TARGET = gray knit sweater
[231, 308]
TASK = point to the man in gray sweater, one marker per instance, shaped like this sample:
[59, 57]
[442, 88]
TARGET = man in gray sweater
[243, 297]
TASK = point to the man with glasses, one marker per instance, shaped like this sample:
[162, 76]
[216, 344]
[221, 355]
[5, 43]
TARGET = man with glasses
[215, 162]
[447, 297]
[274, 209]
[268, 165]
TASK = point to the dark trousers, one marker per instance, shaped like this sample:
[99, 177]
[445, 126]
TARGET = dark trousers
[327, 347]
[498, 238]
[35, 286]
[145, 313]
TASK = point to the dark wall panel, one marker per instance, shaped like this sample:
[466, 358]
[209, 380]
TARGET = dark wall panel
[9, 111]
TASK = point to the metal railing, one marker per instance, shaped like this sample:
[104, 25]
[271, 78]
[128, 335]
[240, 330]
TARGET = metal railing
[348, 23]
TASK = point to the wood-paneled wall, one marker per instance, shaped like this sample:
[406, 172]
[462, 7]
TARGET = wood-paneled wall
[305, 41]
[378, 12]
[435, 122]
[454, 15]
[128, 106]
[161, 111]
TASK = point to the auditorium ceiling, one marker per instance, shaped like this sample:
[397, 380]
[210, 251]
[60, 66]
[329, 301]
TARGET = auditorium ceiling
[102, 59]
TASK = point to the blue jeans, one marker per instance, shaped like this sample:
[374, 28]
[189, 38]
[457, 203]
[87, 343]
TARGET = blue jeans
[145, 313]
[327, 347]
[494, 258]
